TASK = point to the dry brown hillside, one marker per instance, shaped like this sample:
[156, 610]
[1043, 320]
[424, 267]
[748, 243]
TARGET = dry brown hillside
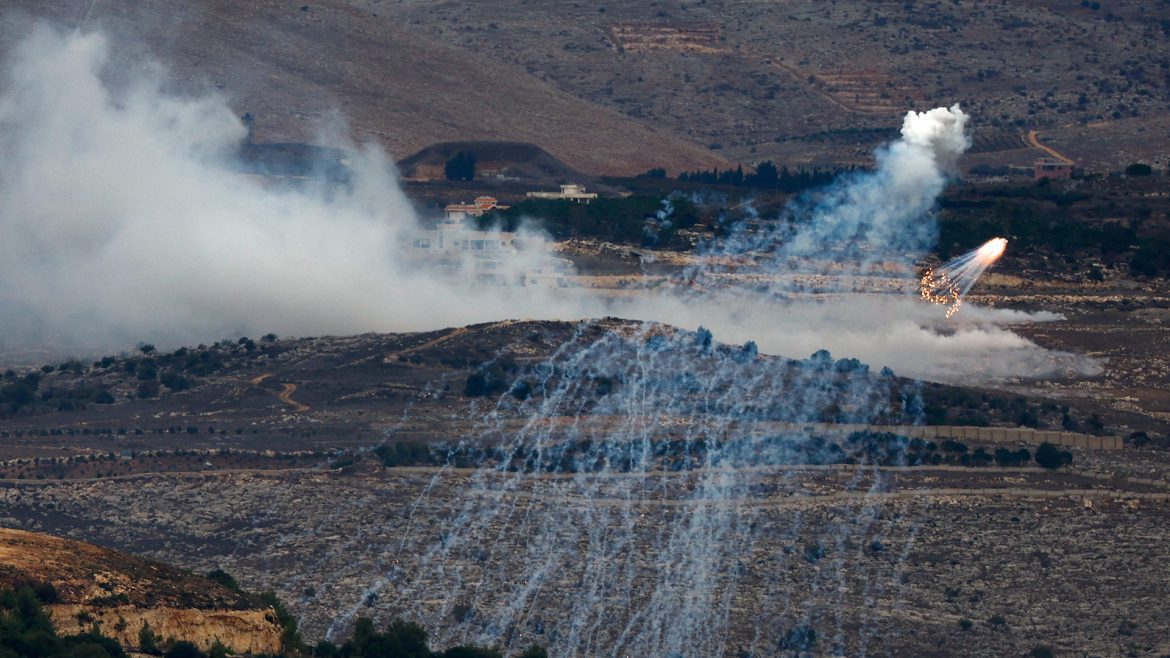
[122, 593]
[294, 67]
[809, 80]
[625, 86]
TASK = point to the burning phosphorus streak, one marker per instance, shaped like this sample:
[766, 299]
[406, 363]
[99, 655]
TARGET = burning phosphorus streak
[950, 282]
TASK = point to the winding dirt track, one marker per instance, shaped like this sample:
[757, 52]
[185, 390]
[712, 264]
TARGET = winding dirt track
[1034, 141]
[459, 331]
[285, 396]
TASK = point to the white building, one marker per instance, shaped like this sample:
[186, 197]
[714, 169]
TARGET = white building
[457, 212]
[486, 255]
[569, 191]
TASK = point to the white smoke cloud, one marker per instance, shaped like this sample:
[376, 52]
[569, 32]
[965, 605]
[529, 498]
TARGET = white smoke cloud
[877, 215]
[911, 338]
[122, 221]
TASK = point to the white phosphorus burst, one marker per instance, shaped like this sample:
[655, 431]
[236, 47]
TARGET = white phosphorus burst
[950, 282]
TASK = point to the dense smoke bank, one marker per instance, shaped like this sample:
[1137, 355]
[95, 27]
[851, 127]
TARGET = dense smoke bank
[125, 219]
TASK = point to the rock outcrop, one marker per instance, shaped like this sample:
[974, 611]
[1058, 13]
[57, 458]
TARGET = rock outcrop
[242, 631]
[120, 594]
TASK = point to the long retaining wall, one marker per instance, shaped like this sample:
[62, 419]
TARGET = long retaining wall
[987, 434]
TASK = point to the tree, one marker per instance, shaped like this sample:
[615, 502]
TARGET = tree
[290, 639]
[1049, 456]
[148, 389]
[476, 385]
[1139, 169]
[25, 630]
[147, 642]
[224, 578]
[461, 166]
[766, 175]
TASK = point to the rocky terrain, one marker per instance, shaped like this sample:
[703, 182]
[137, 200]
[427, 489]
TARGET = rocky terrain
[680, 84]
[608, 486]
[276, 484]
[943, 562]
[121, 594]
[305, 398]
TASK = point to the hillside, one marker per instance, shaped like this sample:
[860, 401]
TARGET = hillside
[298, 69]
[121, 593]
[306, 398]
[809, 81]
[621, 88]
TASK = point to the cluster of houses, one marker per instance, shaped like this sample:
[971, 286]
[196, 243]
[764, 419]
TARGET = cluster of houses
[492, 255]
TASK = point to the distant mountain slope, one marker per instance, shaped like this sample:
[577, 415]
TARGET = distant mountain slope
[622, 87]
[296, 66]
[809, 80]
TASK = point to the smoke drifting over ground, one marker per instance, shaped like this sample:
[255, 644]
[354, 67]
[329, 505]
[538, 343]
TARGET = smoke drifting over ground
[123, 221]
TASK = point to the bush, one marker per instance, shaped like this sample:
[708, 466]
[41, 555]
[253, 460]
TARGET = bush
[403, 639]
[950, 445]
[1051, 457]
[489, 380]
[1139, 169]
[471, 652]
[1006, 457]
[800, 638]
[147, 641]
[148, 389]
[224, 578]
[405, 453]
[174, 381]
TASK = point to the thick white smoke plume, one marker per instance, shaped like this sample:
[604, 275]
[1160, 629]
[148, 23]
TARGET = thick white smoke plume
[122, 220]
[878, 215]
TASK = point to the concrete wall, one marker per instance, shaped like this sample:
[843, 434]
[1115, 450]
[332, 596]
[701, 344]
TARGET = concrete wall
[964, 433]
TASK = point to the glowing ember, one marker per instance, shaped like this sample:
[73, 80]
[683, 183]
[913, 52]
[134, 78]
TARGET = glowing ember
[950, 282]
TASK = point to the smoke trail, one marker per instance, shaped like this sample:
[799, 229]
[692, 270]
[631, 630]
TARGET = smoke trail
[630, 489]
[837, 270]
[629, 424]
